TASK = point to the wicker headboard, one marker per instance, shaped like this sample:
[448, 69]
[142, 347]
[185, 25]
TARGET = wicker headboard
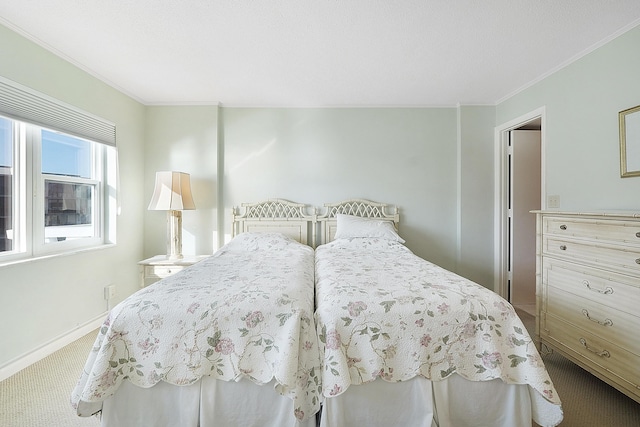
[357, 207]
[276, 215]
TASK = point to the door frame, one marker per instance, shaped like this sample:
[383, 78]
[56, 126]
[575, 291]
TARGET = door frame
[501, 145]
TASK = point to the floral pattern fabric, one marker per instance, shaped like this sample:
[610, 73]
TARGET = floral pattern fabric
[246, 311]
[383, 312]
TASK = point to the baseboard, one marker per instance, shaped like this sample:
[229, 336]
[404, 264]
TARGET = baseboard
[21, 362]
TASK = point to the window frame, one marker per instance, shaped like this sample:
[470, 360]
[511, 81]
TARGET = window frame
[29, 196]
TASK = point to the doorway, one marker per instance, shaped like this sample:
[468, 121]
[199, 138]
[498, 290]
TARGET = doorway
[519, 190]
[524, 196]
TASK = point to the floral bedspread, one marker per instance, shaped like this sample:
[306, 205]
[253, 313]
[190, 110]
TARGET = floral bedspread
[244, 312]
[383, 312]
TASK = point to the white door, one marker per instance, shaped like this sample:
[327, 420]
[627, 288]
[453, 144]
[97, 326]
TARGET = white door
[525, 196]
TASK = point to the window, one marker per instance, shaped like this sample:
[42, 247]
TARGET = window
[57, 175]
[53, 189]
[69, 169]
[6, 185]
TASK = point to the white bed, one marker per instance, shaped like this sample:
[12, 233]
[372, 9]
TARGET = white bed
[405, 342]
[229, 341]
[356, 386]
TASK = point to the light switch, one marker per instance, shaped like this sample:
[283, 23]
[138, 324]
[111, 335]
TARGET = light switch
[553, 201]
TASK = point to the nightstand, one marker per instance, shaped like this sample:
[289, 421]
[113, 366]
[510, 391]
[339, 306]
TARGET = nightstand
[158, 267]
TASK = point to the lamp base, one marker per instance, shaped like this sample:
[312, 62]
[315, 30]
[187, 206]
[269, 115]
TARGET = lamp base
[174, 234]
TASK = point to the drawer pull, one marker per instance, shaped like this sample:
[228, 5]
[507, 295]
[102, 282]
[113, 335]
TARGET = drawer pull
[638, 234]
[607, 291]
[607, 322]
[563, 227]
[603, 353]
[563, 247]
[637, 260]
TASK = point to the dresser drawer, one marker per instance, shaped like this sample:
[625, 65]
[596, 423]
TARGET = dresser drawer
[618, 291]
[161, 271]
[593, 351]
[616, 327]
[626, 232]
[624, 259]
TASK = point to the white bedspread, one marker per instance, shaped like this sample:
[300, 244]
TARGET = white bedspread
[383, 312]
[245, 312]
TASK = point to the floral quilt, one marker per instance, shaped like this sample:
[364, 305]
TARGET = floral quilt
[383, 312]
[244, 312]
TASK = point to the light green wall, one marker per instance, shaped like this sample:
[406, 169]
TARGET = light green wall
[402, 156]
[44, 299]
[183, 138]
[475, 193]
[581, 136]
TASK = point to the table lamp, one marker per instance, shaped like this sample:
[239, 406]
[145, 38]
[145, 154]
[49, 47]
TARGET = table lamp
[172, 193]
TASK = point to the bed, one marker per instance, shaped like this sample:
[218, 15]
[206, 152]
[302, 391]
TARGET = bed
[405, 342]
[228, 341]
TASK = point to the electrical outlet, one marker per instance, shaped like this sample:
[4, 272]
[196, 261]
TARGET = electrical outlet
[109, 292]
[553, 201]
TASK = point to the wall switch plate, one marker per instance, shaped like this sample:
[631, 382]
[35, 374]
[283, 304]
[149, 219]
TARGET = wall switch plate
[109, 292]
[553, 201]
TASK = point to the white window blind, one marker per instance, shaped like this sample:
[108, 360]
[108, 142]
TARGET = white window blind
[23, 103]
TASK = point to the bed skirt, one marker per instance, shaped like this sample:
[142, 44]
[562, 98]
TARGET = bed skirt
[206, 403]
[455, 402]
[418, 402]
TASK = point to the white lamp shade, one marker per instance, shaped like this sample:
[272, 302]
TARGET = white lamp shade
[172, 192]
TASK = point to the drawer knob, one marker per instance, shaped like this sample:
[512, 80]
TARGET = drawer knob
[607, 322]
[563, 227]
[607, 291]
[563, 247]
[637, 260]
[638, 234]
[602, 353]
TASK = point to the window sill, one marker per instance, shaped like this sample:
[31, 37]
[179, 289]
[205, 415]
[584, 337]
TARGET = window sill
[28, 260]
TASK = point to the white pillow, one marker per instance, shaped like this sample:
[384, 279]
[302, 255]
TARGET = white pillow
[349, 226]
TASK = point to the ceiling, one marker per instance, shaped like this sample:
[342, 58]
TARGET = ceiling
[309, 53]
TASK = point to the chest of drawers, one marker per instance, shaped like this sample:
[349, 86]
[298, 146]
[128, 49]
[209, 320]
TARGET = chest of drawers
[588, 293]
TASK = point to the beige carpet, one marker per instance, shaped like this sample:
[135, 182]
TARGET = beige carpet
[588, 401]
[38, 396]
